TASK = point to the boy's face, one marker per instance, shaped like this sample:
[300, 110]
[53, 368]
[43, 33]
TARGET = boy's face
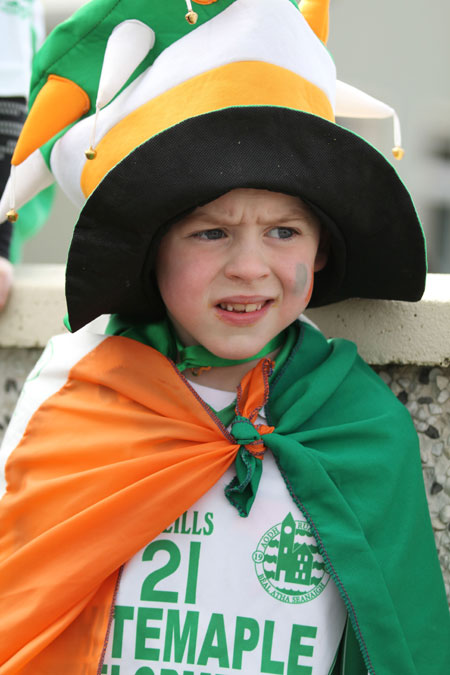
[237, 271]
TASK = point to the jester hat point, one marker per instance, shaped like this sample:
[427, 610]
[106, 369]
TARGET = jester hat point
[143, 110]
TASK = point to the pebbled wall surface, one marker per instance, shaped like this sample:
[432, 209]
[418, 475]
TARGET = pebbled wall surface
[426, 393]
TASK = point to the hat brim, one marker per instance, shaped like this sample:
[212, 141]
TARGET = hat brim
[377, 243]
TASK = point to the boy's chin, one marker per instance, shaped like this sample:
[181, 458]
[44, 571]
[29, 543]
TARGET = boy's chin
[237, 352]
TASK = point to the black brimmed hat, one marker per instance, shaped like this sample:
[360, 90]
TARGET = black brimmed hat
[241, 94]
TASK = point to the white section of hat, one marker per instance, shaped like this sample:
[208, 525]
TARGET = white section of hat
[272, 31]
[352, 102]
[31, 176]
[119, 62]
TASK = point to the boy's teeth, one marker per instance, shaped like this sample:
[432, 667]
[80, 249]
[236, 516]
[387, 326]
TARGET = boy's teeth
[238, 307]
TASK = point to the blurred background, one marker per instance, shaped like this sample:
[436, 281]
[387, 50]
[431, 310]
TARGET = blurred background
[397, 51]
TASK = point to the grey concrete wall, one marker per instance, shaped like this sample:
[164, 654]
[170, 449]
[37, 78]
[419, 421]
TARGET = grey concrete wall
[399, 51]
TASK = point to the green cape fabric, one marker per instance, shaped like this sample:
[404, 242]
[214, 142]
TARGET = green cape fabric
[349, 454]
[162, 336]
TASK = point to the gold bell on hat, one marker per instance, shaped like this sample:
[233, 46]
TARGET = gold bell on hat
[398, 152]
[12, 216]
[90, 153]
[191, 17]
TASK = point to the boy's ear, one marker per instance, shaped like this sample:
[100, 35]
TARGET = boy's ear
[320, 261]
[323, 251]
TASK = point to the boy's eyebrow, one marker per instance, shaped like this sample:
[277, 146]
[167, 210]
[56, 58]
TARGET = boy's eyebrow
[220, 219]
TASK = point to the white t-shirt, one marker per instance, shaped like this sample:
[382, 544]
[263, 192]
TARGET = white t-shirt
[217, 594]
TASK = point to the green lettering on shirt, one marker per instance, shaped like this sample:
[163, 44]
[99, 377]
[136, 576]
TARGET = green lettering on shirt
[215, 643]
[121, 614]
[296, 649]
[145, 632]
[246, 636]
[184, 528]
[268, 665]
[178, 639]
[149, 592]
[195, 529]
[209, 522]
[192, 577]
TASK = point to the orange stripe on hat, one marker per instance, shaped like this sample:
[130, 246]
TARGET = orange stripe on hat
[81, 503]
[317, 14]
[235, 84]
[59, 103]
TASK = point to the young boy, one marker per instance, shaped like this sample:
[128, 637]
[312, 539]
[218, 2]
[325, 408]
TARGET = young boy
[132, 455]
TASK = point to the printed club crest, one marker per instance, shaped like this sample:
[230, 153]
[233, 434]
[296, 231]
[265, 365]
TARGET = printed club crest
[288, 564]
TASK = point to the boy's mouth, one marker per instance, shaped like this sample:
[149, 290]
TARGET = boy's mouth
[242, 307]
[243, 311]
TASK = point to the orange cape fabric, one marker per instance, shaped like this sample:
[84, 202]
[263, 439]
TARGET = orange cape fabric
[105, 464]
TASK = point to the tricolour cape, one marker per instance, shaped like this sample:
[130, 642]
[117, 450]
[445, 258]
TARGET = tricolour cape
[122, 446]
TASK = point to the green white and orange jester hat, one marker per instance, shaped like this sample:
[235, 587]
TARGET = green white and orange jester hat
[144, 109]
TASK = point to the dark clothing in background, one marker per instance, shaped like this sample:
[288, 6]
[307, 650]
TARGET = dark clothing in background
[13, 111]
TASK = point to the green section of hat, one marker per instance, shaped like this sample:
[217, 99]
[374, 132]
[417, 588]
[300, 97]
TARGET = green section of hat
[75, 49]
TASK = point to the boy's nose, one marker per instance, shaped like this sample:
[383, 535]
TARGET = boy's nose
[247, 263]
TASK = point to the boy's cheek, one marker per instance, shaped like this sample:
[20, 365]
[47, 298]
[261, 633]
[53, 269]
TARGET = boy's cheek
[310, 291]
[177, 281]
[301, 278]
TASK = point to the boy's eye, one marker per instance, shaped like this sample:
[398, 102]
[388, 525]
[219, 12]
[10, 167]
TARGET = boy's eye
[216, 233]
[282, 232]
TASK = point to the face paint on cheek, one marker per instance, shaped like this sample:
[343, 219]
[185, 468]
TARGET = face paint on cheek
[301, 278]
[301, 281]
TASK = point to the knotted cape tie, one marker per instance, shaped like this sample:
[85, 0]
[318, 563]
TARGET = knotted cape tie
[249, 435]
[252, 395]
[198, 358]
